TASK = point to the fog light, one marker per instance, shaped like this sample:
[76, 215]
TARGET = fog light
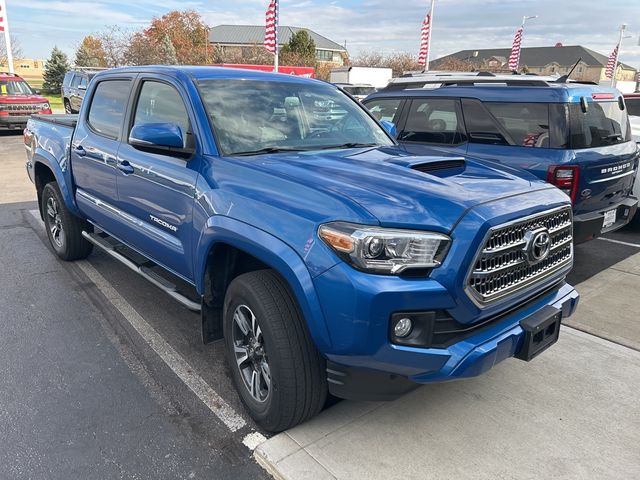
[403, 327]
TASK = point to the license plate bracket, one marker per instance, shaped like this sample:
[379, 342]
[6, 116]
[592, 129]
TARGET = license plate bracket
[609, 218]
[541, 330]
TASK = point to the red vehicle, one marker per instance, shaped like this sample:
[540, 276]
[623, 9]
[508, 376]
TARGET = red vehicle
[18, 101]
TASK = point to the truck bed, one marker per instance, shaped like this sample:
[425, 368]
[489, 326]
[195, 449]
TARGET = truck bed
[67, 120]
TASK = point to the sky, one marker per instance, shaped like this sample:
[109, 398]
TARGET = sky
[365, 25]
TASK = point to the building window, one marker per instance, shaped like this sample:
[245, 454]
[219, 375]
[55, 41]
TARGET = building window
[25, 65]
[324, 55]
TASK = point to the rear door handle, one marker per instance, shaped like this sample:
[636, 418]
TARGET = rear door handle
[125, 167]
[80, 151]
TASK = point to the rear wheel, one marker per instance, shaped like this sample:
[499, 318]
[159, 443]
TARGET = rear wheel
[276, 368]
[63, 228]
[67, 106]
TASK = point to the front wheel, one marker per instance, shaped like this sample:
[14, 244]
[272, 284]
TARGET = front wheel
[276, 368]
[63, 228]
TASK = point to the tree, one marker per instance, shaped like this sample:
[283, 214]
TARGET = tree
[399, 62]
[115, 42]
[187, 33]
[54, 71]
[16, 49]
[90, 53]
[140, 50]
[300, 51]
[166, 52]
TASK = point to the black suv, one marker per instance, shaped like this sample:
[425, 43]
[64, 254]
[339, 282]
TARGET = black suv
[74, 87]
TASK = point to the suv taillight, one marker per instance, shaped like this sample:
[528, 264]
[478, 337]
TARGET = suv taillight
[566, 178]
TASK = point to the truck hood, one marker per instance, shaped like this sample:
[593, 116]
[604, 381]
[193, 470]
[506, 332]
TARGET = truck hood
[385, 182]
[34, 98]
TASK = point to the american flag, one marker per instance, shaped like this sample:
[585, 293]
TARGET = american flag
[271, 31]
[514, 58]
[611, 63]
[1, 17]
[424, 40]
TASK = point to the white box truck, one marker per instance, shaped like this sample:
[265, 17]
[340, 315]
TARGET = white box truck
[374, 76]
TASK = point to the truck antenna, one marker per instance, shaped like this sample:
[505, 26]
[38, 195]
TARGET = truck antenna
[564, 78]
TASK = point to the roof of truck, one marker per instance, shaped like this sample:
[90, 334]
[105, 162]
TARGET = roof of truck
[208, 73]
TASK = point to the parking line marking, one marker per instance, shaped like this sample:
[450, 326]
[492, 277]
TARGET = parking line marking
[173, 359]
[636, 245]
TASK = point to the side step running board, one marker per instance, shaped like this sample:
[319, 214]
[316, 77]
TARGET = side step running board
[144, 271]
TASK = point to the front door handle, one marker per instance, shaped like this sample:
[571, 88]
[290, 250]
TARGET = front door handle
[80, 151]
[125, 167]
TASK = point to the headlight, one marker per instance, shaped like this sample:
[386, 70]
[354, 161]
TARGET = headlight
[385, 250]
[46, 106]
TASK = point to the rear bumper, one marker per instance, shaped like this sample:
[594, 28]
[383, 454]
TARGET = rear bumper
[469, 357]
[588, 226]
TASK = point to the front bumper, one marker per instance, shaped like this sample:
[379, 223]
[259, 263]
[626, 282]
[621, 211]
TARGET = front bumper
[351, 378]
[588, 226]
[14, 122]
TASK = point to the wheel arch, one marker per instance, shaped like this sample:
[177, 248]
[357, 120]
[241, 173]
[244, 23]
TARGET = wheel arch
[228, 248]
[46, 169]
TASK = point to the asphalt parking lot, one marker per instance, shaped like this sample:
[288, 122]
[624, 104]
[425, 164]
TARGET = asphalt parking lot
[105, 377]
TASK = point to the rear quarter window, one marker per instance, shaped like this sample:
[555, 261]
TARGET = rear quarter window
[68, 78]
[633, 106]
[526, 123]
[108, 105]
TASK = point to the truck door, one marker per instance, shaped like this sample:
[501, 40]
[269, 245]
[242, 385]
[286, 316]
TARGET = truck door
[94, 149]
[156, 189]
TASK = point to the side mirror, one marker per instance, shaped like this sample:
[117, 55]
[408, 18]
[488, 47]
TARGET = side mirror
[36, 91]
[158, 136]
[390, 127]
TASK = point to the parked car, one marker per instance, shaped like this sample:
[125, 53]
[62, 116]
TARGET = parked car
[575, 136]
[18, 101]
[632, 101]
[328, 259]
[74, 87]
[358, 91]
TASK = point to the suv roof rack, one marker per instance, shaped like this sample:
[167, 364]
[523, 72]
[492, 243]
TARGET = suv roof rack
[89, 69]
[445, 79]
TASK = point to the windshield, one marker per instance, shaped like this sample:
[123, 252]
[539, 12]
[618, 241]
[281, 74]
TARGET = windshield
[603, 124]
[15, 87]
[251, 116]
[359, 90]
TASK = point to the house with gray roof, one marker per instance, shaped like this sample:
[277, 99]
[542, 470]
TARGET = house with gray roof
[539, 60]
[243, 39]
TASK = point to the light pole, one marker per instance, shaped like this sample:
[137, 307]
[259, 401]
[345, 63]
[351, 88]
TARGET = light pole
[623, 27]
[525, 18]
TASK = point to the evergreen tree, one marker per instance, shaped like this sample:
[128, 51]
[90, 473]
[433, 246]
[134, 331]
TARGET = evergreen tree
[54, 70]
[301, 50]
[167, 52]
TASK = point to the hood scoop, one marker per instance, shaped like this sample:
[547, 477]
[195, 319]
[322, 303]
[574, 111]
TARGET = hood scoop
[455, 164]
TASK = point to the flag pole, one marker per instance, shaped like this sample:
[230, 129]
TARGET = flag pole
[426, 66]
[7, 37]
[276, 58]
[615, 62]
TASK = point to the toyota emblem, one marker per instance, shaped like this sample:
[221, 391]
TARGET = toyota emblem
[537, 245]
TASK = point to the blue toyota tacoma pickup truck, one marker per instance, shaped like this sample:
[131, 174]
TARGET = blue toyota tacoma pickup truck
[327, 257]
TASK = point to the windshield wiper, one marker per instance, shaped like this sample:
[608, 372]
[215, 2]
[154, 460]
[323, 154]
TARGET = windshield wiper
[266, 150]
[348, 145]
[612, 138]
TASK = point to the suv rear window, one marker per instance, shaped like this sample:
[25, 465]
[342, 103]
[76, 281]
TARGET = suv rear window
[603, 124]
[108, 106]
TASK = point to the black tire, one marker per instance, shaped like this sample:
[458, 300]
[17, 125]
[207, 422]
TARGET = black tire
[298, 386]
[66, 238]
[67, 106]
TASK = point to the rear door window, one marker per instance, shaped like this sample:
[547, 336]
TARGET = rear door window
[108, 106]
[76, 81]
[67, 79]
[526, 123]
[83, 82]
[481, 125]
[386, 109]
[433, 120]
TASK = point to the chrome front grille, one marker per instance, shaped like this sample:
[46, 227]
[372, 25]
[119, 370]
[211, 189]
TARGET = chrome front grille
[503, 266]
[23, 108]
